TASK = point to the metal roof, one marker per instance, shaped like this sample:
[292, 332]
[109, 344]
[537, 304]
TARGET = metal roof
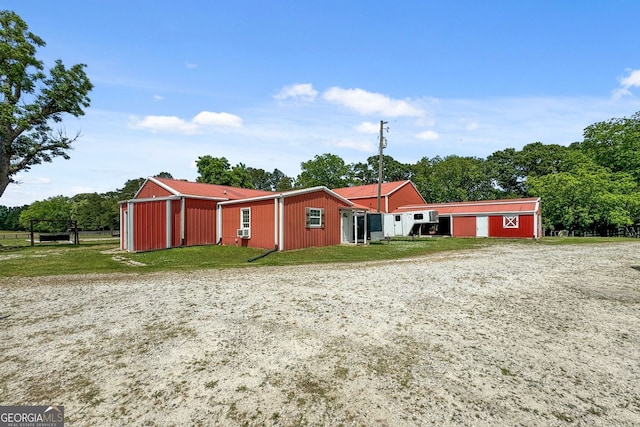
[200, 189]
[371, 190]
[526, 205]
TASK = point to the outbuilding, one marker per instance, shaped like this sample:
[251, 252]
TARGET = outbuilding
[510, 218]
[168, 213]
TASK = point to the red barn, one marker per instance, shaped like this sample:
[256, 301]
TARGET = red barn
[392, 195]
[168, 213]
[511, 218]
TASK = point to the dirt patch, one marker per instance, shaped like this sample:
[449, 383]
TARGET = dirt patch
[507, 335]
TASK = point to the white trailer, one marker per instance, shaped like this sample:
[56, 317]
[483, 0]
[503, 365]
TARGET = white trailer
[416, 223]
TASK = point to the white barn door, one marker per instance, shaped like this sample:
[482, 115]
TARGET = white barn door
[482, 226]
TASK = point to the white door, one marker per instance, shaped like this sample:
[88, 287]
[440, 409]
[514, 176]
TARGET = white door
[398, 229]
[347, 226]
[482, 226]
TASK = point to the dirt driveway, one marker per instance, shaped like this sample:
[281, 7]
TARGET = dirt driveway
[518, 334]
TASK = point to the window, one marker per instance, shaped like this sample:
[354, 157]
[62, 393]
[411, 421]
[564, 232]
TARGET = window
[398, 218]
[315, 217]
[510, 221]
[245, 218]
[418, 216]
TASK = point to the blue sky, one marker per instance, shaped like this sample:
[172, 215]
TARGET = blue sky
[271, 84]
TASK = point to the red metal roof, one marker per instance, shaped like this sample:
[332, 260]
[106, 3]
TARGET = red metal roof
[199, 189]
[370, 190]
[528, 205]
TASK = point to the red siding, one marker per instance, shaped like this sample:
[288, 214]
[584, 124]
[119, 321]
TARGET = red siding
[525, 227]
[262, 224]
[151, 189]
[464, 226]
[175, 223]
[407, 195]
[149, 225]
[200, 222]
[296, 233]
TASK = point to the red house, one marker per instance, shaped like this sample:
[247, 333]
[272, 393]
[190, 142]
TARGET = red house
[511, 218]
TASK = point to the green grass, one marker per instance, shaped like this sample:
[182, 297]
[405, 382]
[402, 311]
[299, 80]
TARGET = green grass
[103, 257]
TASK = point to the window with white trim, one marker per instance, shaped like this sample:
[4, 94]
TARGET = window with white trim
[315, 217]
[510, 221]
[245, 218]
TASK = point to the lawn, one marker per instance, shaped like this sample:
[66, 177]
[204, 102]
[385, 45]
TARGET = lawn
[19, 259]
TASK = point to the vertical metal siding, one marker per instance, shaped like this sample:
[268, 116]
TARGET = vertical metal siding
[149, 225]
[200, 222]
[296, 233]
[525, 227]
[262, 224]
[464, 226]
[175, 223]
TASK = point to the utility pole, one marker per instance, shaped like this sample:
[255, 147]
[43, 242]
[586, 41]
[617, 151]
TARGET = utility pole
[383, 144]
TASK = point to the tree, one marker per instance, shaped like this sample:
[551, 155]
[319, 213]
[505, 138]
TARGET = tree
[30, 100]
[453, 179]
[166, 175]
[279, 181]
[615, 144]
[95, 211]
[392, 170]
[509, 169]
[10, 217]
[326, 170]
[589, 197]
[57, 208]
[260, 178]
[269, 181]
[218, 170]
[129, 190]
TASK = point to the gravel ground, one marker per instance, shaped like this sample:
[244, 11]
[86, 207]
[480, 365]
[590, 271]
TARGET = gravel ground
[518, 335]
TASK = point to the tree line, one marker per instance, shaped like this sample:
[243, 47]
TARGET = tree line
[589, 185]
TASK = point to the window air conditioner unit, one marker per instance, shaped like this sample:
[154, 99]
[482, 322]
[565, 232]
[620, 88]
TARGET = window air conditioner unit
[244, 233]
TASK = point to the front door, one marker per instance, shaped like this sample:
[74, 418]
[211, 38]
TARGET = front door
[347, 226]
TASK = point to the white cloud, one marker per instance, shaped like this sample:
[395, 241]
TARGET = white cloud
[633, 79]
[170, 124]
[208, 118]
[368, 127]
[173, 124]
[371, 103]
[355, 145]
[626, 83]
[191, 65]
[428, 135]
[158, 97]
[299, 91]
